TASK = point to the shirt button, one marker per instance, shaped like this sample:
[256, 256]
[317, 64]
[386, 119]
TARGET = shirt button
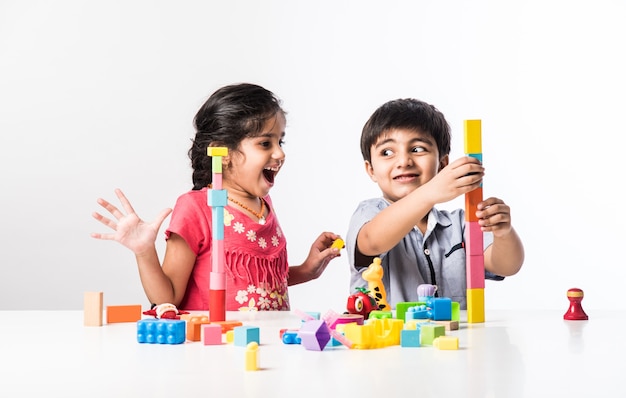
[427, 252]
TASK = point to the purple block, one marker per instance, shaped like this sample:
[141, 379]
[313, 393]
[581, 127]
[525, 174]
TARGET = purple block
[314, 335]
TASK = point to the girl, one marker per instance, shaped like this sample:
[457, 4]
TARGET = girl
[249, 121]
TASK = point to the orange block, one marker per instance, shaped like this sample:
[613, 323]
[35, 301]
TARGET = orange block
[123, 313]
[472, 199]
[194, 324]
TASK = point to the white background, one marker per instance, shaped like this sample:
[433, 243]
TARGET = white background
[99, 95]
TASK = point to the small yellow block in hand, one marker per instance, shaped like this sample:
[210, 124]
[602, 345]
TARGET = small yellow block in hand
[338, 244]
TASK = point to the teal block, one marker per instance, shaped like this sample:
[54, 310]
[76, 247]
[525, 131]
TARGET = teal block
[245, 335]
[217, 197]
[410, 338]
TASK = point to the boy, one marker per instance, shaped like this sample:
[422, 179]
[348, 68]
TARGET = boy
[406, 146]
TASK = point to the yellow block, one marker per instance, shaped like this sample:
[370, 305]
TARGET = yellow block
[217, 151]
[476, 305]
[446, 343]
[473, 136]
[252, 356]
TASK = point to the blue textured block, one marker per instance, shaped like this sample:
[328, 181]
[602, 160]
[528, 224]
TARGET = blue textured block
[440, 309]
[161, 331]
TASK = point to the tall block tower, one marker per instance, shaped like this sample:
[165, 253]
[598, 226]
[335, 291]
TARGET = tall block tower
[218, 199]
[475, 262]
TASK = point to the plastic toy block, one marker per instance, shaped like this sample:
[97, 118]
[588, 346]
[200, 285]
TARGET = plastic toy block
[472, 199]
[92, 308]
[314, 335]
[161, 331]
[475, 305]
[345, 318]
[338, 244]
[474, 242]
[123, 313]
[373, 275]
[211, 334]
[194, 327]
[440, 309]
[218, 219]
[475, 271]
[227, 325]
[215, 151]
[230, 336]
[217, 299]
[314, 314]
[417, 312]
[245, 335]
[252, 356]
[291, 337]
[478, 156]
[473, 136]
[448, 325]
[456, 311]
[377, 314]
[402, 307]
[374, 333]
[429, 332]
[412, 324]
[410, 338]
[216, 165]
[217, 198]
[446, 343]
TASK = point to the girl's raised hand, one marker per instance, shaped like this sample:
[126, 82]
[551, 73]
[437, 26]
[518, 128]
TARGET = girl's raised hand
[130, 230]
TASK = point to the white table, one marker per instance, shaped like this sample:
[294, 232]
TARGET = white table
[512, 354]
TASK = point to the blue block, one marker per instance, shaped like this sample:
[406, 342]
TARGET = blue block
[245, 335]
[410, 338]
[217, 197]
[218, 223]
[440, 309]
[161, 331]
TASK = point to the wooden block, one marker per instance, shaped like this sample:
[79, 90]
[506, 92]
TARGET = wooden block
[92, 308]
[475, 305]
[474, 242]
[473, 136]
[472, 199]
[475, 271]
[449, 325]
[217, 151]
[123, 313]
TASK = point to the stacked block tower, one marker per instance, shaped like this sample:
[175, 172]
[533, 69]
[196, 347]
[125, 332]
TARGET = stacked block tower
[475, 262]
[217, 198]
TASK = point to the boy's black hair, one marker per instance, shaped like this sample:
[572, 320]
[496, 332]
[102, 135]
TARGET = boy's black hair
[409, 114]
[229, 115]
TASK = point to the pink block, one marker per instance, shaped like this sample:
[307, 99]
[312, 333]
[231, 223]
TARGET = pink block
[211, 334]
[217, 281]
[475, 271]
[473, 238]
[217, 181]
[217, 256]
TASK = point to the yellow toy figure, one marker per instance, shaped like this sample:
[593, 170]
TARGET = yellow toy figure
[373, 275]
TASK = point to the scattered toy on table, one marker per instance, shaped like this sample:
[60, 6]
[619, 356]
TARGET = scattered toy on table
[361, 303]
[575, 311]
[373, 275]
[165, 311]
